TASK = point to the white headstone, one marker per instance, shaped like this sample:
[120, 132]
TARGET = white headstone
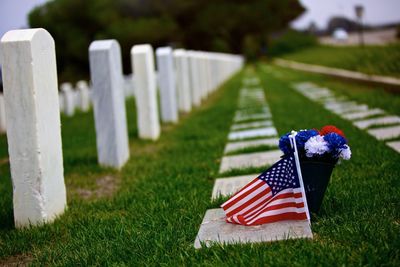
[167, 84]
[146, 93]
[109, 103]
[33, 126]
[194, 78]
[182, 80]
[83, 95]
[2, 115]
[69, 99]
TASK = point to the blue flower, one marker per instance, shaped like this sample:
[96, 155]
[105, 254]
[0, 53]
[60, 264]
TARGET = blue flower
[335, 143]
[303, 136]
[284, 143]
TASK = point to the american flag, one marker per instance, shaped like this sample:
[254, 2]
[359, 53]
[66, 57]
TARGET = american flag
[275, 195]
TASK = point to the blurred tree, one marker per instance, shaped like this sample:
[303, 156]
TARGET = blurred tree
[218, 25]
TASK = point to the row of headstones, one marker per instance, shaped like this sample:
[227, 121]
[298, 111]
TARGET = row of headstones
[376, 121]
[253, 127]
[185, 78]
[32, 110]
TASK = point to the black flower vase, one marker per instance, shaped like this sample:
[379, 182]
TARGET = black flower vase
[316, 176]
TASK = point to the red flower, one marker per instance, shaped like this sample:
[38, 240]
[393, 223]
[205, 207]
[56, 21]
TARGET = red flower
[331, 129]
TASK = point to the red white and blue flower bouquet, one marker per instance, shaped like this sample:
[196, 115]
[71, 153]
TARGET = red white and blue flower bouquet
[295, 185]
[319, 151]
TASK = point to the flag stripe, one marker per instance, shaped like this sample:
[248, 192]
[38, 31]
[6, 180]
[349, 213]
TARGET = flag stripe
[274, 195]
[281, 196]
[247, 189]
[248, 196]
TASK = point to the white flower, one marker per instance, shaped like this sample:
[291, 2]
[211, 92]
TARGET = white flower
[316, 145]
[345, 153]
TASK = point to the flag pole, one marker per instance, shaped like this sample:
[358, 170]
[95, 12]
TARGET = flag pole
[296, 157]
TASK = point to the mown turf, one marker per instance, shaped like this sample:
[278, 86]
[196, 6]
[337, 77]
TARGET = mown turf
[382, 60]
[166, 186]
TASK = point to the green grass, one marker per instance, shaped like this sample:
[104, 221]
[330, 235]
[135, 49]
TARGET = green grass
[165, 189]
[382, 60]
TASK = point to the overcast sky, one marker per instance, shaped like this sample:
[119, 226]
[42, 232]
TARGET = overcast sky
[13, 13]
[375, 11]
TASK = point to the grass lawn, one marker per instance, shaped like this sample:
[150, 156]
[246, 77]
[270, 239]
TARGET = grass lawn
[149, 212]
[381, 60]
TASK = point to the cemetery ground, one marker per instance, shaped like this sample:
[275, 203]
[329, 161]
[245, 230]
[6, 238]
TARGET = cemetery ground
[149, 212]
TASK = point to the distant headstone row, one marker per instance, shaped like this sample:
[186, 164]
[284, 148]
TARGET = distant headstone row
[31, 104]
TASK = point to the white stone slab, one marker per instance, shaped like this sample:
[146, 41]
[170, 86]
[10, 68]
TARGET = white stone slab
[235, 146]
[195, 79]
[69, 101]
[228, 186]
[364, 124]
[336, 104]
[167, 85]
[304, 85]
[363, 114]
[28, 61]
[385, 132]
[252, 133]
[251, 81]
[182, 80]
[252, 110]
[395, 145]
[83, 95]
[351, 108]
[215, 230]
[254, 124]
[256, 159]
[109, 103]
[129, 86]
[3, 127]
[146, 93]
[260, 116]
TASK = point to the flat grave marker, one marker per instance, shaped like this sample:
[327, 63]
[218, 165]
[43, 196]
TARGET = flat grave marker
[395, 145]
[254, 124]
[228, 186]
[363, 114]
[215, 230]
[235, 146]
[385, 132]
[258, 116]
[364, 124]
[252, 133]
[255, 159]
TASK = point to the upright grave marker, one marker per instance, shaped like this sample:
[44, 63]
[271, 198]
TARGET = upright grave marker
[146, 93]
[69, 99]
[166, 78]
[33, 126]
[2, 115]
[109, 103]
[194, 78]
[83, 95]
[182, 80]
